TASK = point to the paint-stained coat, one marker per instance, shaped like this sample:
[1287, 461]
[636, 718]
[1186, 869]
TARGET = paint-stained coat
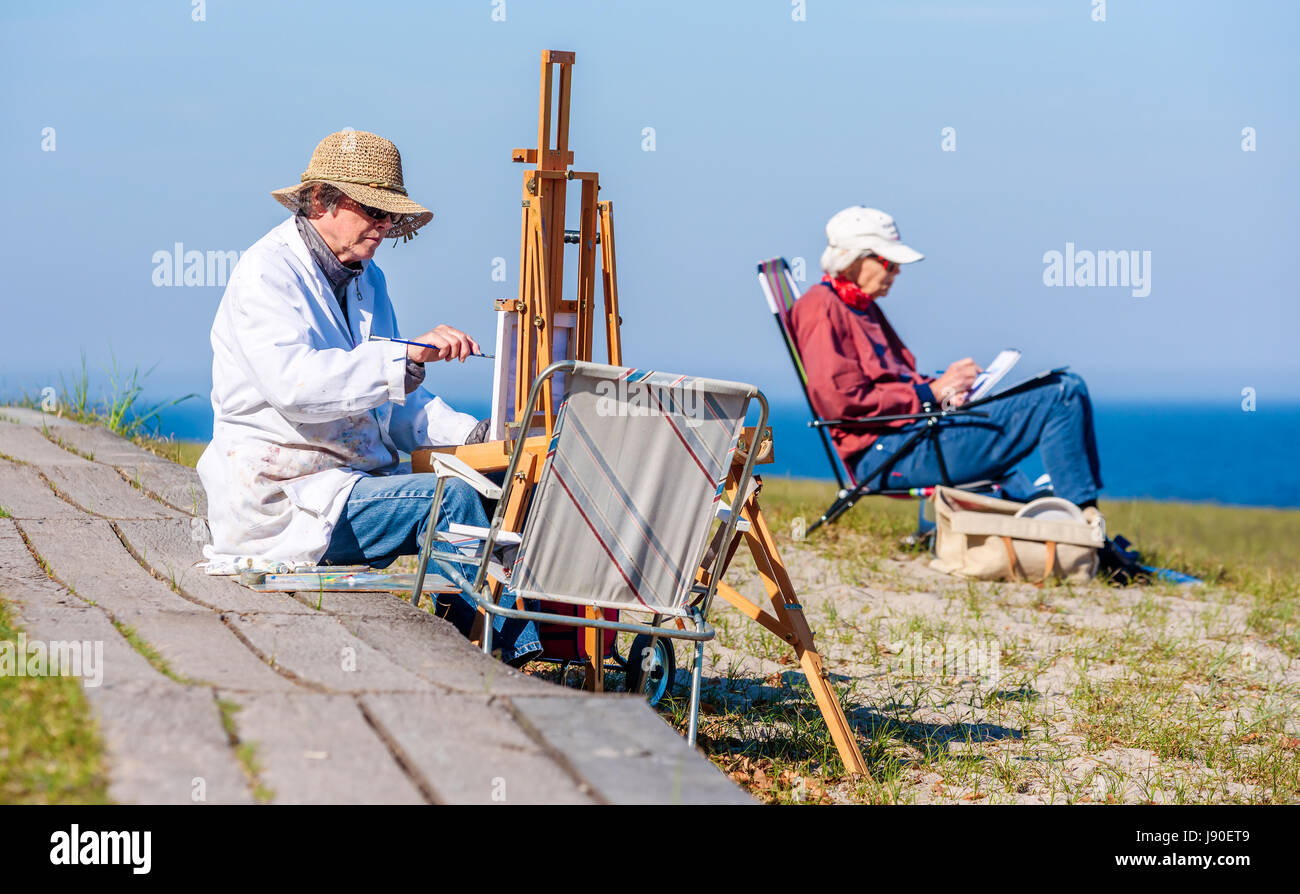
[303, 405]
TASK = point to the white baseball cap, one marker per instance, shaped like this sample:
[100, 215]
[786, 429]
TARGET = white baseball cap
[857, 230]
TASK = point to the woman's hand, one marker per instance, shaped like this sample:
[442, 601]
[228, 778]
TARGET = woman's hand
[951, 387]
[452, 345]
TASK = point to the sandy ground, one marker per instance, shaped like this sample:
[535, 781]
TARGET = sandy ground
[995, 692]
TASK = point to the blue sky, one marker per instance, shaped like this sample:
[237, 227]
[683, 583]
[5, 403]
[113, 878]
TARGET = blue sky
[1117, 135]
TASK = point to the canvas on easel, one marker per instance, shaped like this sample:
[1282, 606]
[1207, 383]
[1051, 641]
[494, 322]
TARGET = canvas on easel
[505, 371]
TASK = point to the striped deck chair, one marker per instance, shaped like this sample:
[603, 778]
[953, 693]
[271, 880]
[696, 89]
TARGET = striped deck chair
[628, 500]
[781, 292]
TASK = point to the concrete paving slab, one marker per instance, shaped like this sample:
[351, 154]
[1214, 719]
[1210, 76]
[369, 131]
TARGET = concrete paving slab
[24, 495]
[317, 650]
[167, 745]
[86, 555]
[48, 612]
[102, 491]
[175, 485]
[194, 642]
[103, 446]
[171, 547]
[472, 752]
[25, 444]
[34, 418]
[319, 749]
[435, 651]
[629, 755]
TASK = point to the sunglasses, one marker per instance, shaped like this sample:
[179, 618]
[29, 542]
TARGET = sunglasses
[377, 213]
[890, 266]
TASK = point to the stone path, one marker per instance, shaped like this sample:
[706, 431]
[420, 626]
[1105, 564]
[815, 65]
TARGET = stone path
[254, 697]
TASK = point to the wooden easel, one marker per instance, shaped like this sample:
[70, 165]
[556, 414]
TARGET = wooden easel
[541, 284]
[541, 263]
[542, 241]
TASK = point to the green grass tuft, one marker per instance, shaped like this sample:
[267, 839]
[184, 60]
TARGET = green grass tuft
[245, 752]
[119, 407]
[50, 750]
[150, 654]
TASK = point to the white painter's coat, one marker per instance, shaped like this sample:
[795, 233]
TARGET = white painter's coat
[303, 405]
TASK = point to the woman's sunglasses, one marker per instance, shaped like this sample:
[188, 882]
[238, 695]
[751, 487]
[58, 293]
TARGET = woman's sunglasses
[890, 266]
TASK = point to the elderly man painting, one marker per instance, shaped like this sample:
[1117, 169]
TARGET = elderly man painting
[309, 413]
[858, 367]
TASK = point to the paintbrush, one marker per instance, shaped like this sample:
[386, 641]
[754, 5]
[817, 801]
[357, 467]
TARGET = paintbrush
[420, 344]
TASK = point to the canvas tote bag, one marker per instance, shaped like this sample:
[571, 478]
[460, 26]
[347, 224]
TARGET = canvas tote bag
[978, 536]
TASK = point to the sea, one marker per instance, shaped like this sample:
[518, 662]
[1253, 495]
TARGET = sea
[1215, 453]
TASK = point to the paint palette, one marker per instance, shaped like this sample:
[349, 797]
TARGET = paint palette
[356, 581]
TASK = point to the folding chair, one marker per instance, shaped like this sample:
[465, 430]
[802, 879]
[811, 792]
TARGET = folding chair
[627, 501]
[781, 292]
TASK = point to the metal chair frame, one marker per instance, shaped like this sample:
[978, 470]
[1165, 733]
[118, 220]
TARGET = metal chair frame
[477, 590]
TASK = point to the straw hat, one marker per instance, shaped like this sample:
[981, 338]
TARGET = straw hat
[367, 169]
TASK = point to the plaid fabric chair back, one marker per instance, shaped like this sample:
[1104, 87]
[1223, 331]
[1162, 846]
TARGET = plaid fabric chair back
[781, 292]
[633, 474]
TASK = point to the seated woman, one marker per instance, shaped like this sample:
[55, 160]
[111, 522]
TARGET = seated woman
[857, 367]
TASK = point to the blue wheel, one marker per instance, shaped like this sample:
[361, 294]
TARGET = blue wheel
[651, 672]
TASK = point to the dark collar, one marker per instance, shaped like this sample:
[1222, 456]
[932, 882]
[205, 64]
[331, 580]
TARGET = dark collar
[338, 273]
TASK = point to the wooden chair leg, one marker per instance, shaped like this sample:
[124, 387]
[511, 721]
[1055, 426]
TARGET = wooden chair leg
[786, 606]
[594, 641]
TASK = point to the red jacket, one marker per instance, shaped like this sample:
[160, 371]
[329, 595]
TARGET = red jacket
[857, 366]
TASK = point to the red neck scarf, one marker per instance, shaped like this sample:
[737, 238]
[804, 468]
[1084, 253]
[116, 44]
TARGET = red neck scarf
[850, 292]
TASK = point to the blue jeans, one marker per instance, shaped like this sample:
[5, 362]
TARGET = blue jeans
[386, 517]
[1055, 417]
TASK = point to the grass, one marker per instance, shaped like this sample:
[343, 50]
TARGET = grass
[1155, 693]
[119, 408]
[50, 751]
[1250, 552]
[184, 453]
[245, 752]
[150, 654]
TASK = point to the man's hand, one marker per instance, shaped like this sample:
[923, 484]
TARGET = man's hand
[452, 345]
[951, 387]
